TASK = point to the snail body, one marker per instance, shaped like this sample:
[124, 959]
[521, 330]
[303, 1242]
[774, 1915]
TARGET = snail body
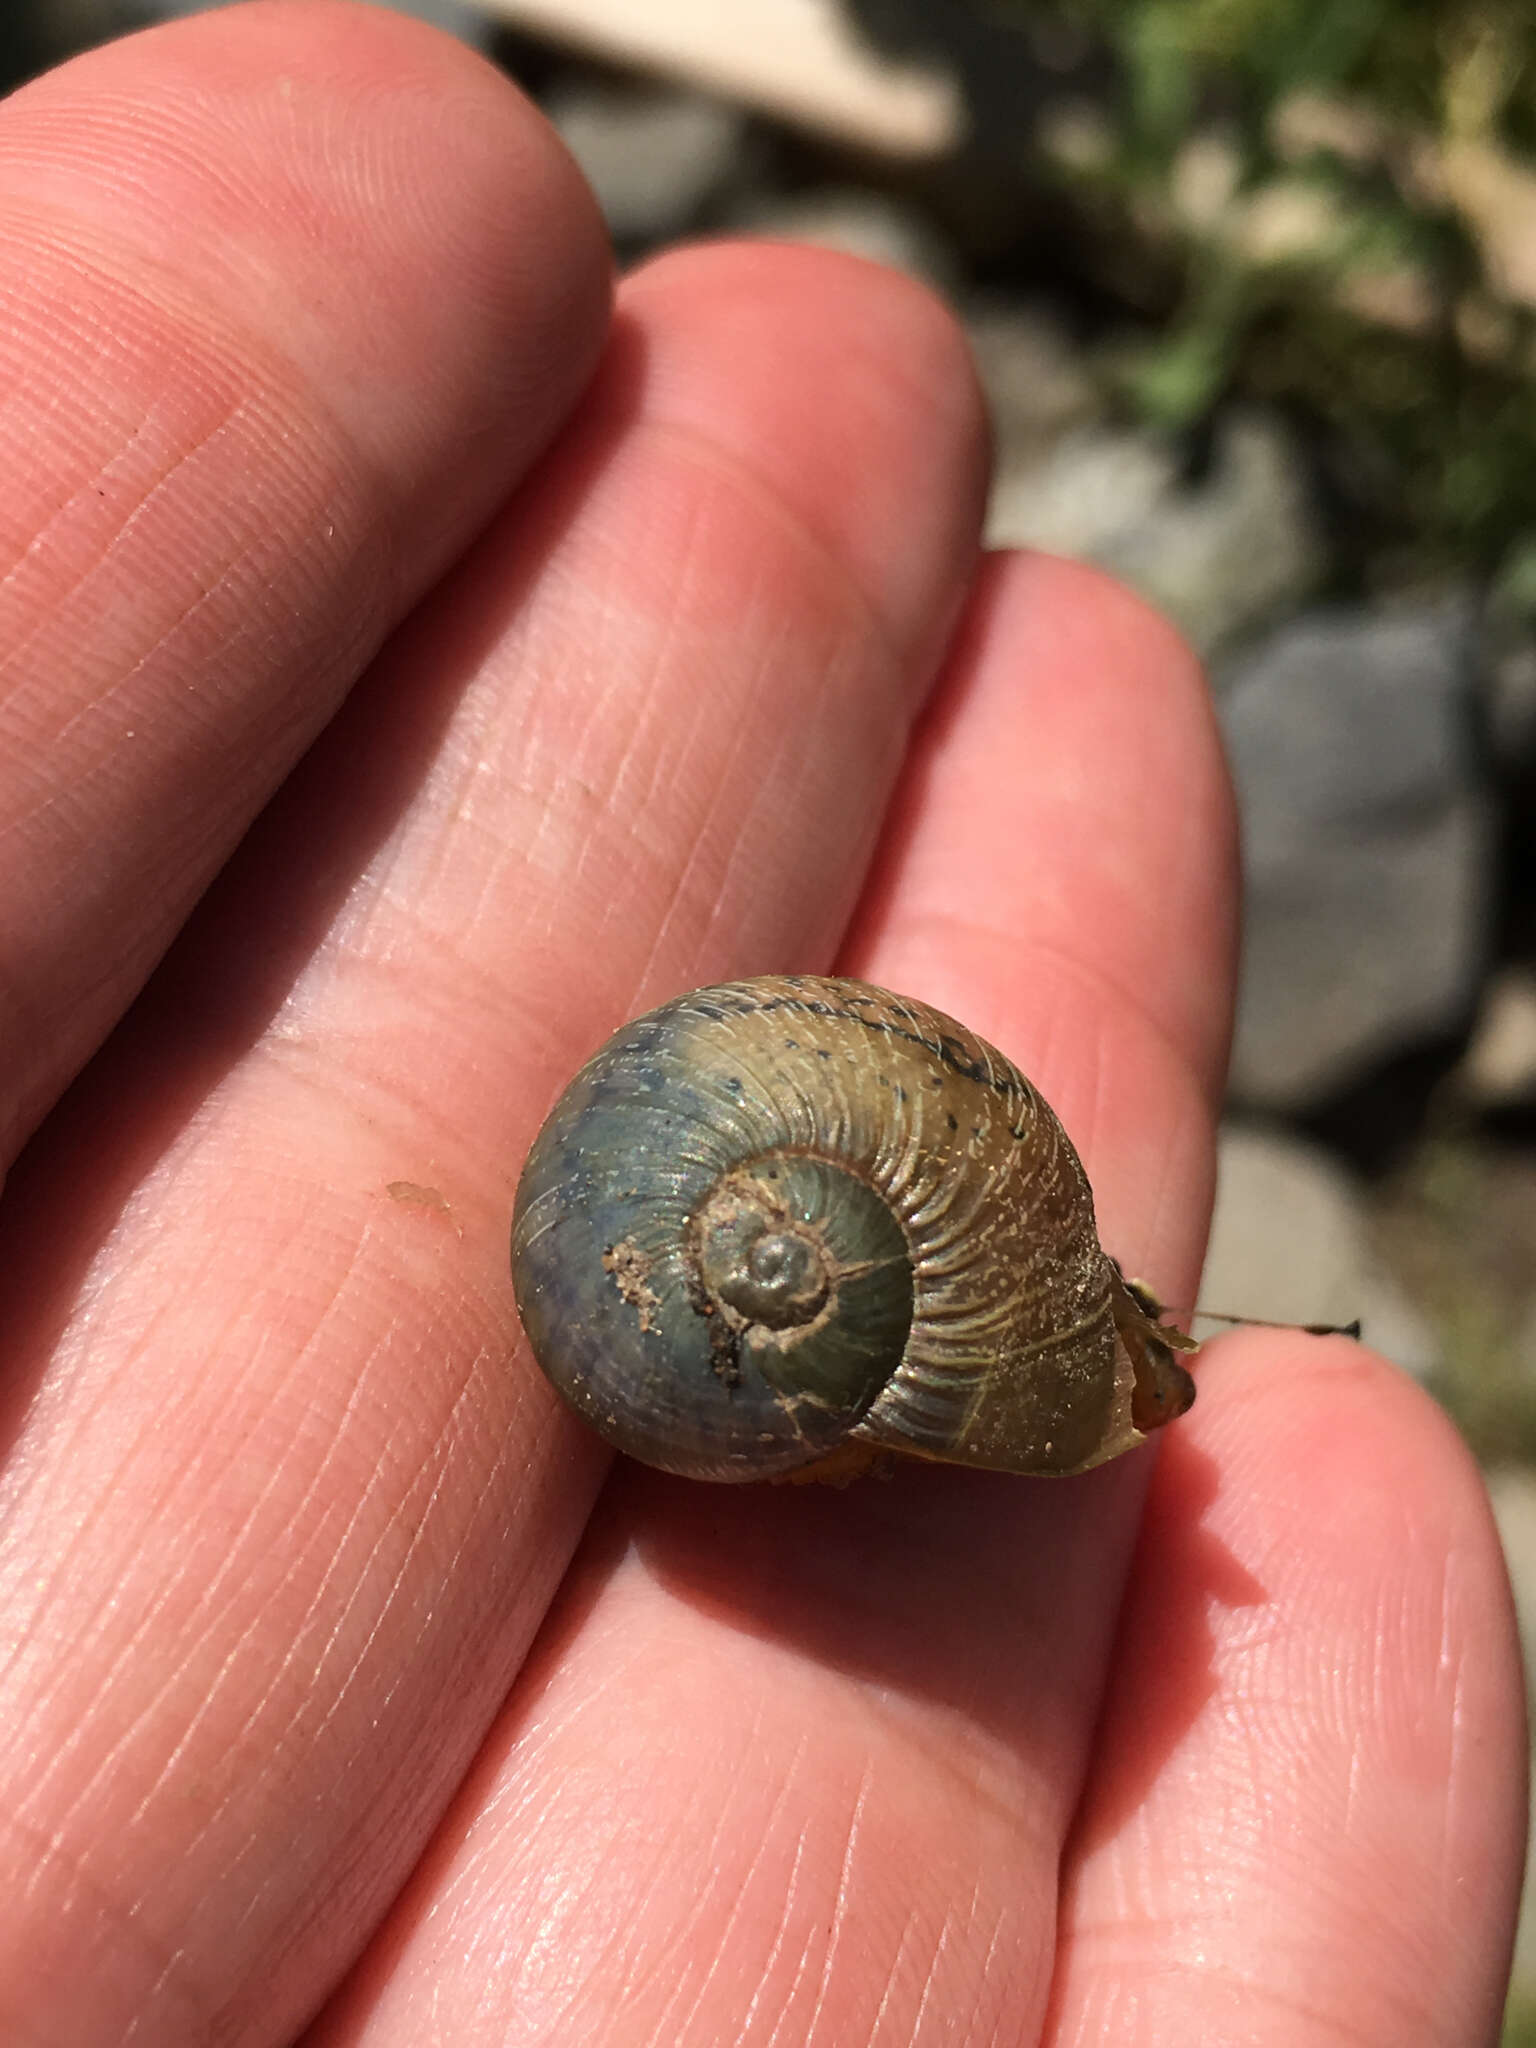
[787, 1227]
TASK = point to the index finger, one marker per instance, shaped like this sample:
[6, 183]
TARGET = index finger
[293, 297]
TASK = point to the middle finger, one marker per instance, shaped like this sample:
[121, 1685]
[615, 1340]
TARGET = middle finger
[284, 1519]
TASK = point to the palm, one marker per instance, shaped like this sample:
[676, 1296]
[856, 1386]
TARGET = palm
[333, 1645]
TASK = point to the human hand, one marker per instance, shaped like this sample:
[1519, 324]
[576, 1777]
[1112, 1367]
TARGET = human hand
[336, 1653]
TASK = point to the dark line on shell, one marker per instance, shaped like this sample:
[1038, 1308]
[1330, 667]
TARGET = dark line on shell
[947, 1050]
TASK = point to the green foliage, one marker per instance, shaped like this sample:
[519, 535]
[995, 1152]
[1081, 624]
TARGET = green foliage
[1173, 53]
[1333, 271]
[1467, 65]
[1519, 2020]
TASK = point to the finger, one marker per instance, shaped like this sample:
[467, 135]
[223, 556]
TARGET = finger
[293, 296]
[1062, 871]
[797, 1765]
[1309, 1817]
[287, 1506]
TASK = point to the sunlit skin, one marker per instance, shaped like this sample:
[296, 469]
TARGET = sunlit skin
[415, 659]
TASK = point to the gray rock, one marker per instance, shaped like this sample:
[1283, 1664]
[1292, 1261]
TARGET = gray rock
[461, 18]
[1367, 841]
[1081, 493]
[1224, 556]
[1037, 384]
[1289, 1244]
[858, 222]
[1219, 556]
[653, 155]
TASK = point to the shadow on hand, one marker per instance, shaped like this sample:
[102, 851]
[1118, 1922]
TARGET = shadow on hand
[995, 1599]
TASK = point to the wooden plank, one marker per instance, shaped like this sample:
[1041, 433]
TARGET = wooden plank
[800, 60]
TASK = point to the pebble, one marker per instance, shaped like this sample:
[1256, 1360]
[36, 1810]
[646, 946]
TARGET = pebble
[461, 18]
[859, 223]
[1289, 1244]
[1036, 381]
[1368, 844]
[653, 155]
[1220, 554]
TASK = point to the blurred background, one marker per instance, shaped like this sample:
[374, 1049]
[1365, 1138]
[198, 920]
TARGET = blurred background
[1252, 288]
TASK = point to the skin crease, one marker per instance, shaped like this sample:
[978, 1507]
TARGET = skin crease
[413, 671]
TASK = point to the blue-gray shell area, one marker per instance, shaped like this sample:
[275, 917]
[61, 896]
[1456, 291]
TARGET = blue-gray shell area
[607, 1294]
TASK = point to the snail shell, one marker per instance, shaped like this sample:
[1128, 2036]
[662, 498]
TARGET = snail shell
[788, 1226]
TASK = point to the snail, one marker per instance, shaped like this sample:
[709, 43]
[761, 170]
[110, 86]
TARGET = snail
[785, 1228]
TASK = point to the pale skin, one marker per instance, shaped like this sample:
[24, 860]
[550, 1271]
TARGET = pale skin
[349, 1693]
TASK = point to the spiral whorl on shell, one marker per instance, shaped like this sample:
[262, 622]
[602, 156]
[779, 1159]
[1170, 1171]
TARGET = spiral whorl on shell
[798, 1223]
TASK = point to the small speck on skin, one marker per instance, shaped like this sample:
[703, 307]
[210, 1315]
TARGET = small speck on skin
[416, 1196]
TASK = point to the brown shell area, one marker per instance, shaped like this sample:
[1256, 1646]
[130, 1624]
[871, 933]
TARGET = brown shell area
[1012, 1361]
